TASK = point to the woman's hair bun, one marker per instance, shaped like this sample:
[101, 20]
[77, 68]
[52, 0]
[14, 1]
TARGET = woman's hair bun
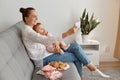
[22, 10]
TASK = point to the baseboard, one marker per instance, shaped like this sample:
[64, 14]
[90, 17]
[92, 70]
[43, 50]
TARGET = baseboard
[102, 59]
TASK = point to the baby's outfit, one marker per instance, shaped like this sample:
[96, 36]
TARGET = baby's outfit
[50, 47]
[50, 72]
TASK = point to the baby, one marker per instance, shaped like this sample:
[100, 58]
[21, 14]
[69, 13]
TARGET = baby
[51, 46]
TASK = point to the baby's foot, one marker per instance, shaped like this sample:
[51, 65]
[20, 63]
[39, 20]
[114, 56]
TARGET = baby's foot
[61, 51]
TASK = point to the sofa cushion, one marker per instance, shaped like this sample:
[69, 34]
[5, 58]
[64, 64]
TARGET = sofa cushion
[70, 74]
[14, 61]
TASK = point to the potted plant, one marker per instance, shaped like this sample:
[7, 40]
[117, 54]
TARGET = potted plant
[87, 25]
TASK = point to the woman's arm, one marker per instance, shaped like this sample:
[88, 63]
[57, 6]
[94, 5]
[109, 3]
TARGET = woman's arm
[36, 37]
[69, 32]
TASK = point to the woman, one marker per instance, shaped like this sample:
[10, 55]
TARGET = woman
[37, 51]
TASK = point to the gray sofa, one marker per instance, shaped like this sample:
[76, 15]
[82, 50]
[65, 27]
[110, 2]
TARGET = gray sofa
[15, 63]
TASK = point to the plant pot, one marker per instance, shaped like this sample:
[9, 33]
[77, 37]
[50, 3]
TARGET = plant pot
[85, 39]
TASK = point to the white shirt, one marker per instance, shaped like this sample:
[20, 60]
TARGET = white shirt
[32, 42]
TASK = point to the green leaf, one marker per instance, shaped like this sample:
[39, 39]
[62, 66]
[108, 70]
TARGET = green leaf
[92, 17]
[84, 13]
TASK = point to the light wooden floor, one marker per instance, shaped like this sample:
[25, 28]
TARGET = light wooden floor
[110, 65]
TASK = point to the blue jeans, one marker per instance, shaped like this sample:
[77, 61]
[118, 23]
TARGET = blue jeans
[73, 54]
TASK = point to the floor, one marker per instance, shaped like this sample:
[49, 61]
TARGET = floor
[110, 68]
[110, 65]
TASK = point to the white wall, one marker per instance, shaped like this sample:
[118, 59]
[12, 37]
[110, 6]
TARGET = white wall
[59, 15]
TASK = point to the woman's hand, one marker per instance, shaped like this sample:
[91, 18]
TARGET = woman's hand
[70, 32]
